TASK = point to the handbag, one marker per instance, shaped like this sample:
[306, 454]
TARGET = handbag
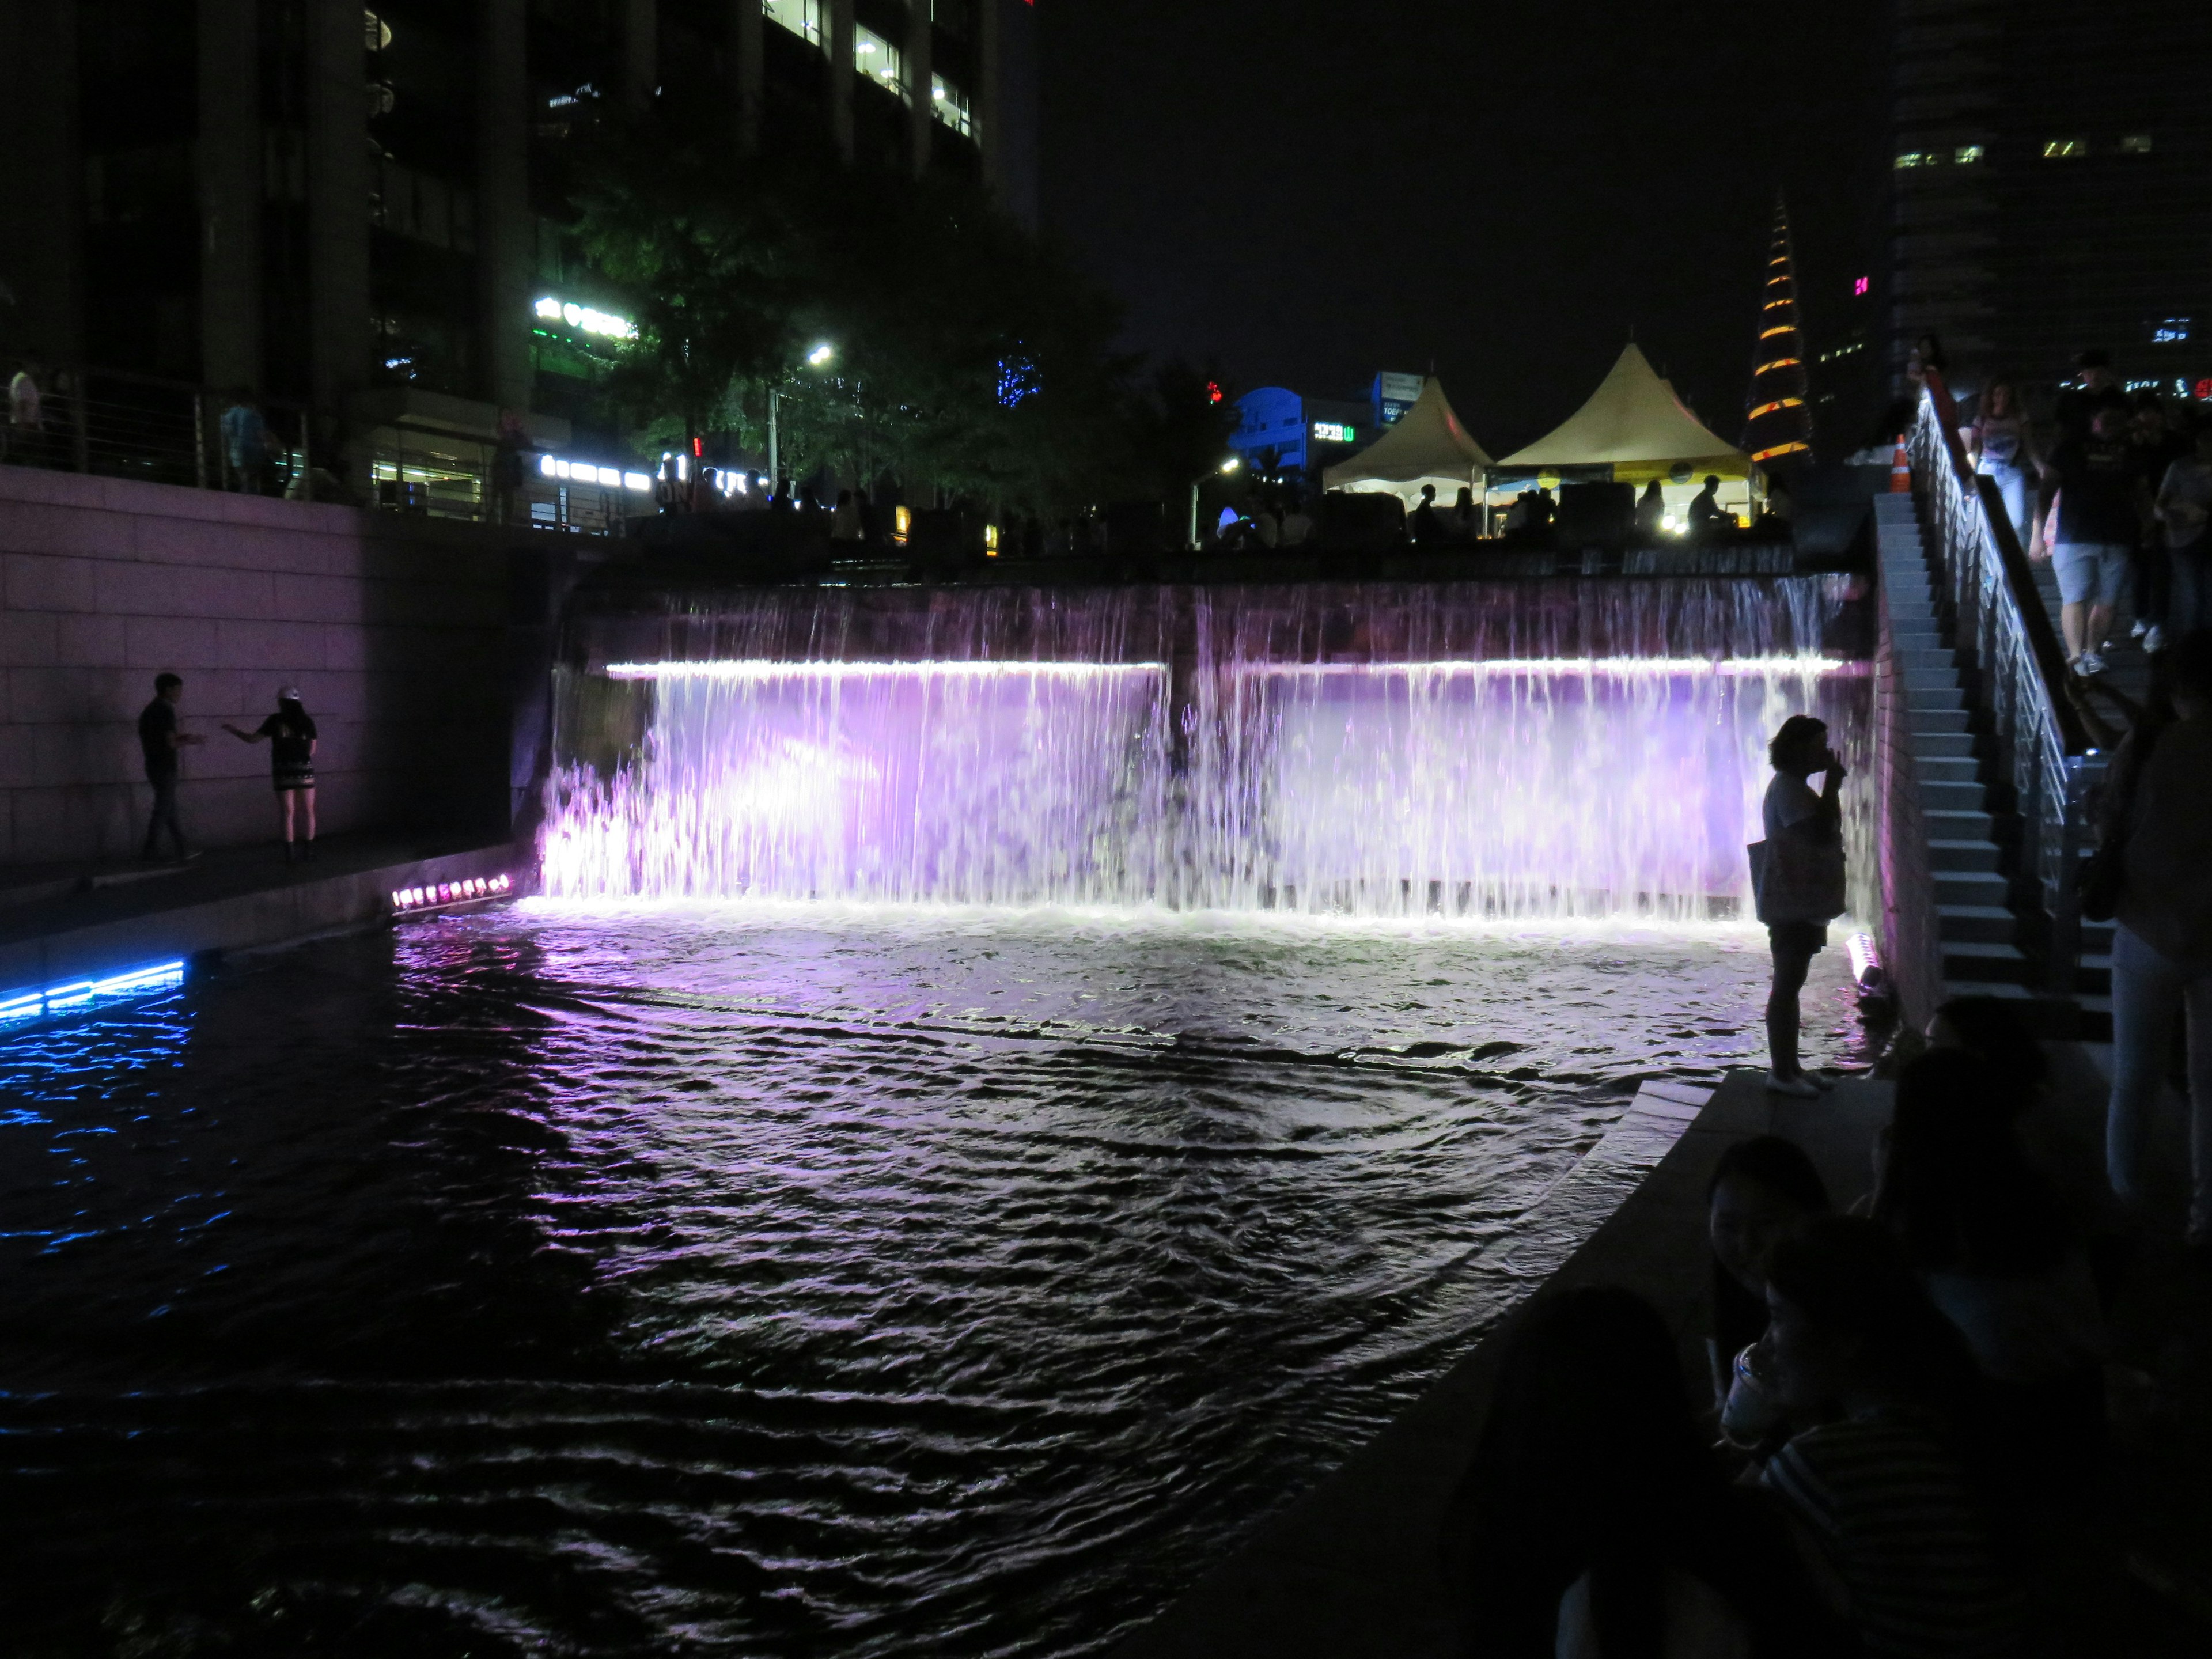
[1795, 879]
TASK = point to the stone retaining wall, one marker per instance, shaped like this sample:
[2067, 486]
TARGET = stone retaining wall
[393, 628]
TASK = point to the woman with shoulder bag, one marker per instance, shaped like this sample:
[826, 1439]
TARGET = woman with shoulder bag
[2153, 871]
[1798, 879]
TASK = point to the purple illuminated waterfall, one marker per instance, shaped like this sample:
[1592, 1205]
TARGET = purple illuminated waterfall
[1554, 748]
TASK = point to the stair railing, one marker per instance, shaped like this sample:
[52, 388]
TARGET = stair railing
[2002, 627]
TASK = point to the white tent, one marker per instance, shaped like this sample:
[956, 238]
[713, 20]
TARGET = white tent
[1427, 446]
[1634, 425]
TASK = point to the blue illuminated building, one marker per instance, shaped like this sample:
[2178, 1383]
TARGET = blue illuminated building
[1280, 431]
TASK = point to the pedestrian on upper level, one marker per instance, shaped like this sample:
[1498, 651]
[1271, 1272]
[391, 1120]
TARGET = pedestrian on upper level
[245, 433]
[27, 425]
[2094, 506]
[1708, 518]
[2002, 452]
[668, 494]
[1798, 883]
[2158, 823]
[1650, 512]
[291, 736]
[2183, 509]
[2095, 386]
[1426, 530]
[1297, 524]
[1466, 516]
[2156, 447]
[160, 738]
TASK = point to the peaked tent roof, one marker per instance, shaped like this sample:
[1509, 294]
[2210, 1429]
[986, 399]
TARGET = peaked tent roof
[1633, 418]
[1428, 442]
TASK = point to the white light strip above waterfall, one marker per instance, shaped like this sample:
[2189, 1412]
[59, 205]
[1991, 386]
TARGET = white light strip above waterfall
[1594, 667]
[756, 669]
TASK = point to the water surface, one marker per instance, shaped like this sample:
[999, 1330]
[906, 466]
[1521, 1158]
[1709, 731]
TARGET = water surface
[793, 1279]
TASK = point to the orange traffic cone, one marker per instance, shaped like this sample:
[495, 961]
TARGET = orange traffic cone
[1900, 469]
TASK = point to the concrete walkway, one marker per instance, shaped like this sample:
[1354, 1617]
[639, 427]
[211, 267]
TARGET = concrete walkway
[59, 922]
[1351, 1569]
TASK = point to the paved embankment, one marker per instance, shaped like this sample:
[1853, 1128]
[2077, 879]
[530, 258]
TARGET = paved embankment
[62, 925]
[1350, 1570]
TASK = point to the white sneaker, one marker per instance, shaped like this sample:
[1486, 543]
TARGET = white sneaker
[2088, 664]
[2139, 629]
[1797, 1088]
[2154, 638]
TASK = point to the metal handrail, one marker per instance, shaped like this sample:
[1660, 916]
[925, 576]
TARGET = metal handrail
[2044, 750]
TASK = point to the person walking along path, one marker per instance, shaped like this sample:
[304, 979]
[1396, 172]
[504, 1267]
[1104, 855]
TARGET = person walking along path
[1798, 881]
[2160, 829]
[160, 738]
[290, 734]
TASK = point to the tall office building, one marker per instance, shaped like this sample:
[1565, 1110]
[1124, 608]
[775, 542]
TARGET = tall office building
[2052, 160]
[359, 209]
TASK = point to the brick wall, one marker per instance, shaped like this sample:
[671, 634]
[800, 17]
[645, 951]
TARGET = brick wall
[1911, 948]
[394, 629]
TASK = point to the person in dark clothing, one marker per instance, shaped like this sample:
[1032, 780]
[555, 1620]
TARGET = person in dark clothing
[290, 734]
[2095, 386]
[1707, 516]
[1593, 1518]
[1425, 527]
[160, 738]
[2102, 502]
[1798, 883]
[1760, 1188]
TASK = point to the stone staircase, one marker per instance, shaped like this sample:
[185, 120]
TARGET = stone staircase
[1987, 920]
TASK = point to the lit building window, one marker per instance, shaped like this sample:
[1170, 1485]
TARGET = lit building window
[802, 17]
[1917, 158]
[1966, 154]
[950, 106]
[2135, 144]
[881, 62]
[2057, 148]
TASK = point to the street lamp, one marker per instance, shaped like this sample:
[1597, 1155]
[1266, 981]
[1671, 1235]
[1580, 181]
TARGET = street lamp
[819, 357]
[1226, 467]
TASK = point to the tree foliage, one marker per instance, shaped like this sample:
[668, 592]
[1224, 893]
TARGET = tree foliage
[970, 358]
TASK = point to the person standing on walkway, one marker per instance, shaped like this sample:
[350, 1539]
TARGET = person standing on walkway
[1998, 441]
[2094, 504]
[2184, 507]
[290, 734]
[160, 738]
[1798, 877]
[2160, 822]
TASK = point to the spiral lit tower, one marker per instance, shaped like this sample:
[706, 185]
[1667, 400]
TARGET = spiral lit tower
[1778, 430]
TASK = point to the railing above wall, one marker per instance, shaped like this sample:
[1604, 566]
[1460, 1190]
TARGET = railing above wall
[2042, 748]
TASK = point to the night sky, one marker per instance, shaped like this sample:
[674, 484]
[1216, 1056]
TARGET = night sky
[1309, 193]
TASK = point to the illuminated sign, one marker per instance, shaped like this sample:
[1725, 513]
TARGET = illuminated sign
[584, 473]
[2171, 331]
[1860, 286]
[1334, 432]
[584, 319]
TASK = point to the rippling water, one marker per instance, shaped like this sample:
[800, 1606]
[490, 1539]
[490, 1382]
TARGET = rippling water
[792, 1280]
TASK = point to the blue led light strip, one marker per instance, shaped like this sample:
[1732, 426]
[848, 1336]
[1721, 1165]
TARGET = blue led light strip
[84, 993]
